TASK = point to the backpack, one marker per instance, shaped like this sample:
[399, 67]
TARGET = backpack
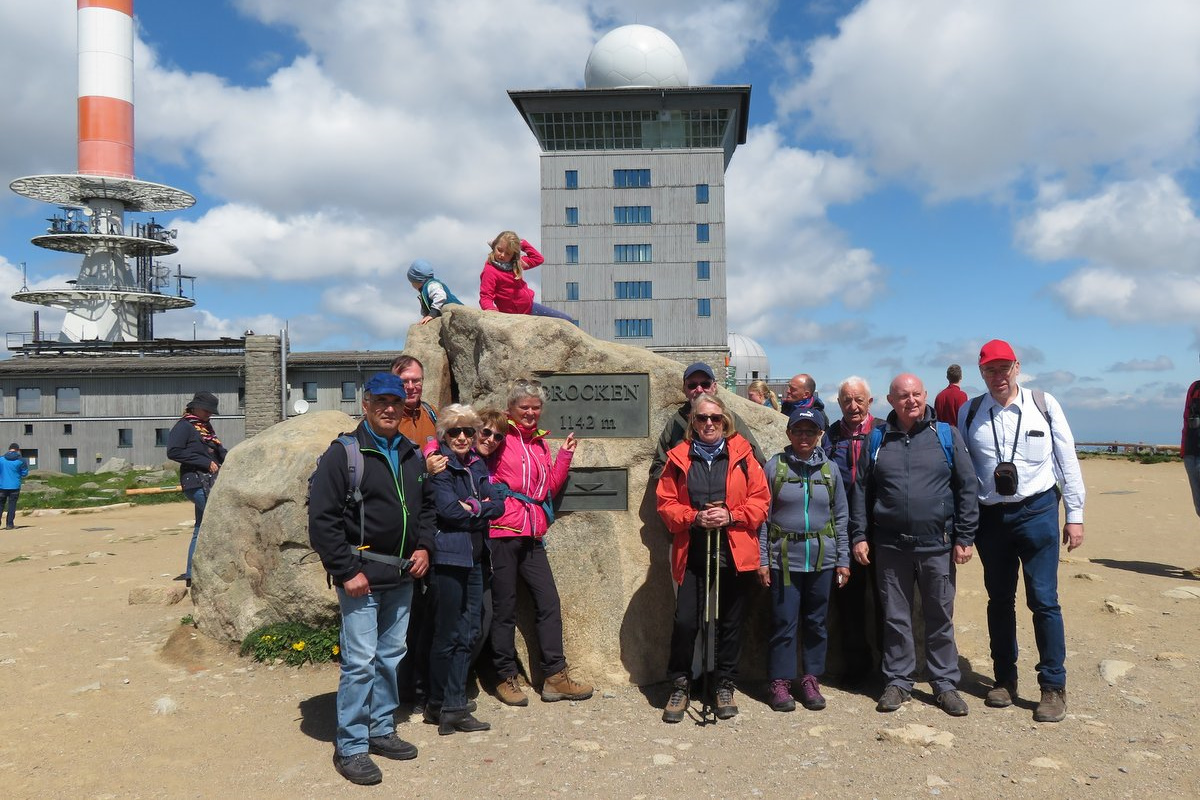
[776, 533]
[1039, 402]
[426, 305]
[875, 441]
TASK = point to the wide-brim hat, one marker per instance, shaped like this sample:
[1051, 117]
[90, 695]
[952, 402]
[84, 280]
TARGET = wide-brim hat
[206, 401]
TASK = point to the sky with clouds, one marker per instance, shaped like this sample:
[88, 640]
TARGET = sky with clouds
[918, 178]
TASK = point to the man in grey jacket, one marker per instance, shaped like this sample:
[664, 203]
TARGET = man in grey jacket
[916, 503]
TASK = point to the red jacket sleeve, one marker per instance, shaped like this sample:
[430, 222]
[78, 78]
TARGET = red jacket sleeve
[487, 289]
[530, 257]
[558, 473]
[672, 497]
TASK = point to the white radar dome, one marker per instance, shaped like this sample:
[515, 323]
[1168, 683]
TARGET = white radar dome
[748, 358]
[635, 55]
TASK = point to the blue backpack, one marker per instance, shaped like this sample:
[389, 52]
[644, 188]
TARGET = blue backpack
[945, 437]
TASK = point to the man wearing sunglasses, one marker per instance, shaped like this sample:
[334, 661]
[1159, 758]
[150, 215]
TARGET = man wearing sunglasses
[698, 379]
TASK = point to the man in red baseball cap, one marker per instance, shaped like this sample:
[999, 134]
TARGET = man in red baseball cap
[1023, 451]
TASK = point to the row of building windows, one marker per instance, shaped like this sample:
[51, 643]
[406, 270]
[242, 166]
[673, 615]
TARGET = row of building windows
[67, 399]
[630, 179]
[631, 215]
[703, 273]
[349, 391]
[632, 253]
[631, 129]
[634, 328]
[639, 290]
[124, 435]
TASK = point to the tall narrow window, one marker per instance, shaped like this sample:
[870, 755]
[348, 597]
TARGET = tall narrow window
[572, 179]
[572, 215]
[124, 437]
[572, 290]
[701, 192]
[702, 232]
[310, 391]
[703, 307]
[349, 391]
[703, 271]
[572, 254]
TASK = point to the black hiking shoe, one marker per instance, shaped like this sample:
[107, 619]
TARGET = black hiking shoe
[358, 768]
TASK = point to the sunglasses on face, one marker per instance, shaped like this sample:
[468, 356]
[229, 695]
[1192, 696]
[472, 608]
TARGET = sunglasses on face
[715, 419]
[454, 433]
[694, 385]
[527, 382]
[488, 433]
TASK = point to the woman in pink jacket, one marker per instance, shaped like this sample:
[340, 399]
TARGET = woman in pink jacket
[502, 285]
[524, 473]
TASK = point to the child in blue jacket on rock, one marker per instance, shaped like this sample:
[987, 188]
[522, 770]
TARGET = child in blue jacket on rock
[432, 292]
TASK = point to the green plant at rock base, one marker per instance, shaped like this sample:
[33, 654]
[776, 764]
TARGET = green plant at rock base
[294, 643]
[188, 620]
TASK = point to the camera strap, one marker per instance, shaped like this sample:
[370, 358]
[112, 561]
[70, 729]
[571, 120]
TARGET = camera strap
[996, 439]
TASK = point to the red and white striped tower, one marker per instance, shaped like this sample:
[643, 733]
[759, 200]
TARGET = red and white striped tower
[119, 288]
[105, 31]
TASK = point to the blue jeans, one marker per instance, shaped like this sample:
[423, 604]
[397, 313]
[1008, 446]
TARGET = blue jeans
[1023, 536]
[540, 310]
[1191, 465]
[372, 643]
[458, 595]
[900, 572]
[8, 497]
[806, 599]
[199, 497]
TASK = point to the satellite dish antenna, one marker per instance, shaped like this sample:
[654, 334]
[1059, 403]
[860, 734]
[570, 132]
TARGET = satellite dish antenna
[300, 406]
[87, 211]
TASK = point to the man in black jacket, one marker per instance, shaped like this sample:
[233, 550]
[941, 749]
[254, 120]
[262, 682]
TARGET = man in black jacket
[372, 549]
[917, 499]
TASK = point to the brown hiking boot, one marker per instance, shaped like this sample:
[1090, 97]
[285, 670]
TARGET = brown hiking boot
[726, 709]
[1001, 695]
[561, 686]
[677, 704]
[508, 691]
[1053, 707]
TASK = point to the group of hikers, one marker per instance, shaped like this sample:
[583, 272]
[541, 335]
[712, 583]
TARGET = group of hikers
[865, 509]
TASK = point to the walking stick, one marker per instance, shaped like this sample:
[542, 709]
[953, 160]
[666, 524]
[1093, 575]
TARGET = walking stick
[712, 587]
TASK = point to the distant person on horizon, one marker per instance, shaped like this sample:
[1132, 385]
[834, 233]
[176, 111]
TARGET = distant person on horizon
[1024, 456]
[1189, 445]
[432, 293]
[13, 470]
[194, 444]
[950, 399]
[502, 285]
[759, 392]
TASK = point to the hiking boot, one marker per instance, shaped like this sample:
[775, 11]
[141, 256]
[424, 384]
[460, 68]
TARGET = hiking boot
[1001, 695]
[1053, 707]
[453, 721]
[561, 686]
[893, 697]
[508, 691]
[810, 693]
[781, 695]
[358, 768]
[678, 702]
[391, 746]
[725, 707]
[952, 703]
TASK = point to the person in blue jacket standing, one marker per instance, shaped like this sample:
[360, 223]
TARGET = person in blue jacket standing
[13, 469]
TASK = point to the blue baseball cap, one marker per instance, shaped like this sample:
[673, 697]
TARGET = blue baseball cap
[813, 415]
[420, 271]
[384, 383]
[699, 367]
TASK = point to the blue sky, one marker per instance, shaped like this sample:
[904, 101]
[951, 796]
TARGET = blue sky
[918, 177]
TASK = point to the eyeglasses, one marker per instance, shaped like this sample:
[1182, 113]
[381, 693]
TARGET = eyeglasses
[385, 401]
[715, 419]
[692, 386]
[998, 371]
[527, 382]
[806, 433]
[488, 433]
[454, 433]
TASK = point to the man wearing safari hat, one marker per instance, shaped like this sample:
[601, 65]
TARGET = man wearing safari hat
[1023, 452]
[194, 444]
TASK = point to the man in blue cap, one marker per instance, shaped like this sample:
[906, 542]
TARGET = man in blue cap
[698, 379]
[372, 523]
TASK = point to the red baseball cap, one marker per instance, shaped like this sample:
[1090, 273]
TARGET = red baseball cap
[996, 350]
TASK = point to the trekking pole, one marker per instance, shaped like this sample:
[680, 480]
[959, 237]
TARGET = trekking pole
[712, 572]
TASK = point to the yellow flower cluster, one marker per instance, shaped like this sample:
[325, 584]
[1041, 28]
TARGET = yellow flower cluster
[298, 646]
[336, 649]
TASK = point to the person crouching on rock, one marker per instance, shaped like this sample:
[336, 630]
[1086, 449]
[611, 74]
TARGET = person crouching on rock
[502, 285]
[463, 497]
[523, 465]
[713, 497]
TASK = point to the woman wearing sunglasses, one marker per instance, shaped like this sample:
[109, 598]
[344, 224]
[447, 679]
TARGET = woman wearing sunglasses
[465, 505]
[711, 483]
[523, 465]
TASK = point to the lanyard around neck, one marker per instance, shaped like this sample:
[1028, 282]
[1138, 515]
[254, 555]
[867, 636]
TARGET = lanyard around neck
[1016, 435]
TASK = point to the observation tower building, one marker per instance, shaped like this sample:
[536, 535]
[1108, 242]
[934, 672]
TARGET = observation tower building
[633, 195]
[121, 283]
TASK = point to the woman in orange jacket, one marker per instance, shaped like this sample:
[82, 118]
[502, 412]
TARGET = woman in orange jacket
[711, 482]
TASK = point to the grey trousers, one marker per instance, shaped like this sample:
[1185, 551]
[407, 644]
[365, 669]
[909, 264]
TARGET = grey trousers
[899, 572]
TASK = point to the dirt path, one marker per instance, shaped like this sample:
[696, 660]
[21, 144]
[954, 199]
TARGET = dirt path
[96, 709]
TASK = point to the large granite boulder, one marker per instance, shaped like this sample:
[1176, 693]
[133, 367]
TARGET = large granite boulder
[611, 566]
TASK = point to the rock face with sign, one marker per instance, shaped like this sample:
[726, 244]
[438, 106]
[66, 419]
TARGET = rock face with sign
[608, 548]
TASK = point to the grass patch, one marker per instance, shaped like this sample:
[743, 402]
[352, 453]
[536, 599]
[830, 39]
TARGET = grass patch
[188, 620]
[66, 492]
[18, 558]
[295, 643]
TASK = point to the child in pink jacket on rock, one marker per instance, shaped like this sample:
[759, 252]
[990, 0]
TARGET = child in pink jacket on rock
[502, 285]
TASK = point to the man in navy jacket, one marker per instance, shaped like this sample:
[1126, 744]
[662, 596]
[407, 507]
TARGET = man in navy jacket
[372, 549]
